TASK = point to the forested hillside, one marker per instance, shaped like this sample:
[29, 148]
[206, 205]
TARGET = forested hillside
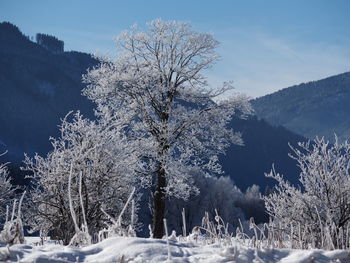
[38, 88]
[264, 145]
[315, 108]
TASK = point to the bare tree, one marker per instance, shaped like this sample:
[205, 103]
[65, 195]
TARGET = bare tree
[157, 90]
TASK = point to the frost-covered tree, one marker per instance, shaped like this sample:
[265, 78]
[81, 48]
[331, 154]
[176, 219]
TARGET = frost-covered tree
[99, 167]
[216, 193]
[252, 204]
[157, 90]
[317, 213]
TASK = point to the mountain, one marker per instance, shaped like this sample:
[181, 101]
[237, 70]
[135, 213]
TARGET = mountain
[264, 145]
[319, 108]
[39, 85]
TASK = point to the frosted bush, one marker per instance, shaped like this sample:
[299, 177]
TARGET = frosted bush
[101, 159]
[7, 190]
[115, 227]
[12, 232]
[315, 214]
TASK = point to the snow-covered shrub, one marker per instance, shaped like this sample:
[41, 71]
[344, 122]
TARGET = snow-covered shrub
[7, 190]
[316, 214]
[97, 151]
[12, 232]
[210, 231]
[81, 236]
[115, 226]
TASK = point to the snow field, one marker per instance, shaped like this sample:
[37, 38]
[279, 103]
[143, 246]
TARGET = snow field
[142, 250]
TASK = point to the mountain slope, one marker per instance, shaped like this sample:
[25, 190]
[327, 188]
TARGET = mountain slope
[316, 108]
[264, 145]
[38, 88]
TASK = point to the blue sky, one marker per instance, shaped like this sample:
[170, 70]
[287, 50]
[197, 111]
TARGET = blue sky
[265, 45]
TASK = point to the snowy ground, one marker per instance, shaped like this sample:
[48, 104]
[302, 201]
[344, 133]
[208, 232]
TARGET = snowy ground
[122, 249]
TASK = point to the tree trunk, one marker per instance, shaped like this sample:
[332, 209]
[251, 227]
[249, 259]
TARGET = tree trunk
[159, 205]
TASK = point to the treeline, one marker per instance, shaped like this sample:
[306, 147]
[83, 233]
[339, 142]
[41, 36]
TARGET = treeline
[50, 42]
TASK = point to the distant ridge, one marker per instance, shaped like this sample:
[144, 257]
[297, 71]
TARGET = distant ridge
[316, 108]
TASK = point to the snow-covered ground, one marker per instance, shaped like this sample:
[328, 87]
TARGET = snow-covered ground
[126, 249]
